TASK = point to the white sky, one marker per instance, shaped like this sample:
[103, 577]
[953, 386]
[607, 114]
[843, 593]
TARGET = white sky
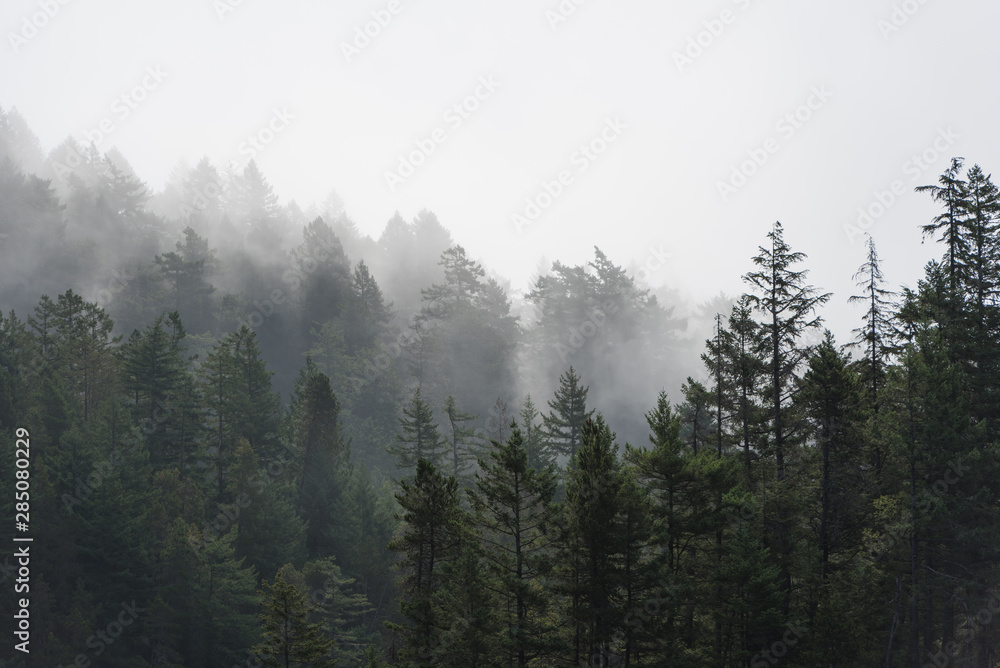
[655, 186]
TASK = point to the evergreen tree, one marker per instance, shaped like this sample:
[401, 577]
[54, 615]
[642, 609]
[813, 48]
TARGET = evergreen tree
[462, 453]
[720, 366]
[789, 306]
[564, 423]
[324, 459]
[420, 438]
[831, 392]
[981, 209]
[271, 533]
[696, 414]
[468, 610]
[165, 400]
[288, 638]
[220, 591]
[513, 509]
[951, 193]
[434, 534]
[323, 272]
[540, 457]
[747, 356]
[876, 336]
[340, 609]
[592, 545]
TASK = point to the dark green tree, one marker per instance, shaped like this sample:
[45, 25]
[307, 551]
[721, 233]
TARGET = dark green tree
[419, 437]
[951, 193]
[434, 533]
[512, 502]
[789, 307]
[324, 462]
[288, 638]
[876, 336]
[461, 442]
[564, 423]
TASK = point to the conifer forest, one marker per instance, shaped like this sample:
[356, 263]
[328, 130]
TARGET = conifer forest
[239, 431]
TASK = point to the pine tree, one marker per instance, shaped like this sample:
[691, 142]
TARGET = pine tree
[665, 471]
[513, 509]
[592, 545]
[540, 456]
[877, 333]
[259, 406]
[696, 414]
[368, 316]
[237, 389]
[748, 362]
[789, 306]
[324, 273]
[270, 532]
[288, 638]
[185, 270]
[420, 438]
[981, 227]
[462, 286]
[831, 393]
[951, 193]
[80, 348]
[434, 533]
[220, 385]
[324, 459]
[564, 423]
[462, 453]
[220, 588]
[469, 611]
[340, 608]
[165, 401]
[720, 365]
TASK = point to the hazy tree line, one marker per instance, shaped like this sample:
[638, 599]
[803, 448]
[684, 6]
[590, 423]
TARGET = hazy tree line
[301, 452]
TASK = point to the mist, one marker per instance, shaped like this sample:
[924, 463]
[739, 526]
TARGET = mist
[292, 297]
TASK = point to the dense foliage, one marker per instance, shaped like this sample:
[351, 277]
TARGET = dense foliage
[325, 452]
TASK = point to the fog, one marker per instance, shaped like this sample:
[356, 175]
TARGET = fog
[670, 139]
[469, 199]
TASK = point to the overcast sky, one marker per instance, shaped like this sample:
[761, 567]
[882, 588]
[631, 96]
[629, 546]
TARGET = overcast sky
[832, 99]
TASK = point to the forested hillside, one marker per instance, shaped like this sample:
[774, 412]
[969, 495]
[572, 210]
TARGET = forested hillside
[260, 437]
